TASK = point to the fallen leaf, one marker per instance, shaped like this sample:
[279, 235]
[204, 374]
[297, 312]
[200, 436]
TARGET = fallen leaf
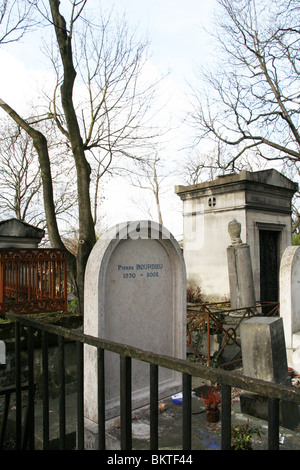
[161, 407]
[117, 423]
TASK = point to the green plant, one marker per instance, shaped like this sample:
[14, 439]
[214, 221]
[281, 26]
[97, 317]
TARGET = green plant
[296, 239]
[211, 399]
[241, 436]
[4, 320]
[73, 306]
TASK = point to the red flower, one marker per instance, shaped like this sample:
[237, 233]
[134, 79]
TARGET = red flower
[211, 399]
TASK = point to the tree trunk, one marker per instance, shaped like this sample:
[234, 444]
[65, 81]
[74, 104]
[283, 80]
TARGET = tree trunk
[87, 236]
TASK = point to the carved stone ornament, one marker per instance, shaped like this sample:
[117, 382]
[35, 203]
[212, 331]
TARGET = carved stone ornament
[234, 229]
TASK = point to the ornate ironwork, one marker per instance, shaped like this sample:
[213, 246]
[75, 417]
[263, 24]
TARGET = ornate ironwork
[211, 316]
[33, 280]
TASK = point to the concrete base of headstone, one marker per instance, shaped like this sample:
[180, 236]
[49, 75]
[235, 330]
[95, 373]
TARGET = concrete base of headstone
[257, 405]
[294, 360]
[293, 353]
[91, 436]
[264, 357]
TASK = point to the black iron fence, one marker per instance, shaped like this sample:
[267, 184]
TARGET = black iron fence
[226, 380]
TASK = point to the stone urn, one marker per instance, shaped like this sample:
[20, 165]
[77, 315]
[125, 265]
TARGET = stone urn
[234, 229]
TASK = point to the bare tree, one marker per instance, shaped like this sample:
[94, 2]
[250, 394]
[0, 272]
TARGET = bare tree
[16, 18]
[40, 144]
[201, 166]
[252, 101]
[112, 107]
[204, 166]
[99, 110]
[19, 177]
[149, 177]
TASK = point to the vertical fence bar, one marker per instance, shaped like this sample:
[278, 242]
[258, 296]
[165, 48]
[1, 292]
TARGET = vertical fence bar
[31, 391]
[18, 385]
[226, 417]
[17, 274]
[101, 399]
[62, 404]
[273, 424]
[80, 417]
[125, 392]
[208, 339]
[4, 418]
[153, 407]
[45, 390]
[2, 286]
[65, 287]
[187, 412]
[28, 266]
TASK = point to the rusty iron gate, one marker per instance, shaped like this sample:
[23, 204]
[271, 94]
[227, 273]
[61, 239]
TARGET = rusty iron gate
[33, 280]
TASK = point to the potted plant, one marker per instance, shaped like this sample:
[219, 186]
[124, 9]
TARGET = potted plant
[241, 436]
[212, 400]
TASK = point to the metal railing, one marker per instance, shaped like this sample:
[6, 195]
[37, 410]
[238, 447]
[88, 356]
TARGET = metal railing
[226, 380]
[208, 317]
[33, 280]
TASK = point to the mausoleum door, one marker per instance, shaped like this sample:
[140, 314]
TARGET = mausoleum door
[268, 247]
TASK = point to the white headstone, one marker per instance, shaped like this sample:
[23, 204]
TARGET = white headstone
[290, 300]
[290, 292]
[135, 294]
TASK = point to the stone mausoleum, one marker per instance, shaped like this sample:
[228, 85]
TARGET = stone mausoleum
[15, 233]
[261, 202]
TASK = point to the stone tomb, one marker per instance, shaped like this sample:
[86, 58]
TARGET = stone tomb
[135, 294]
[261, 202]
[18, 234]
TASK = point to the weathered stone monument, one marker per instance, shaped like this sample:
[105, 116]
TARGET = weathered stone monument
[290, 304]
[264, 357]
[261, 201]
[135, 294]
[240, 273]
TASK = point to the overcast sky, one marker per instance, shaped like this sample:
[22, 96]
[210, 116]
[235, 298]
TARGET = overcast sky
[178, 46]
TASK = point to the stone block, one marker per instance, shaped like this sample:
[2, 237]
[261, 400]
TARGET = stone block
[264, 357]
[263, 349]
